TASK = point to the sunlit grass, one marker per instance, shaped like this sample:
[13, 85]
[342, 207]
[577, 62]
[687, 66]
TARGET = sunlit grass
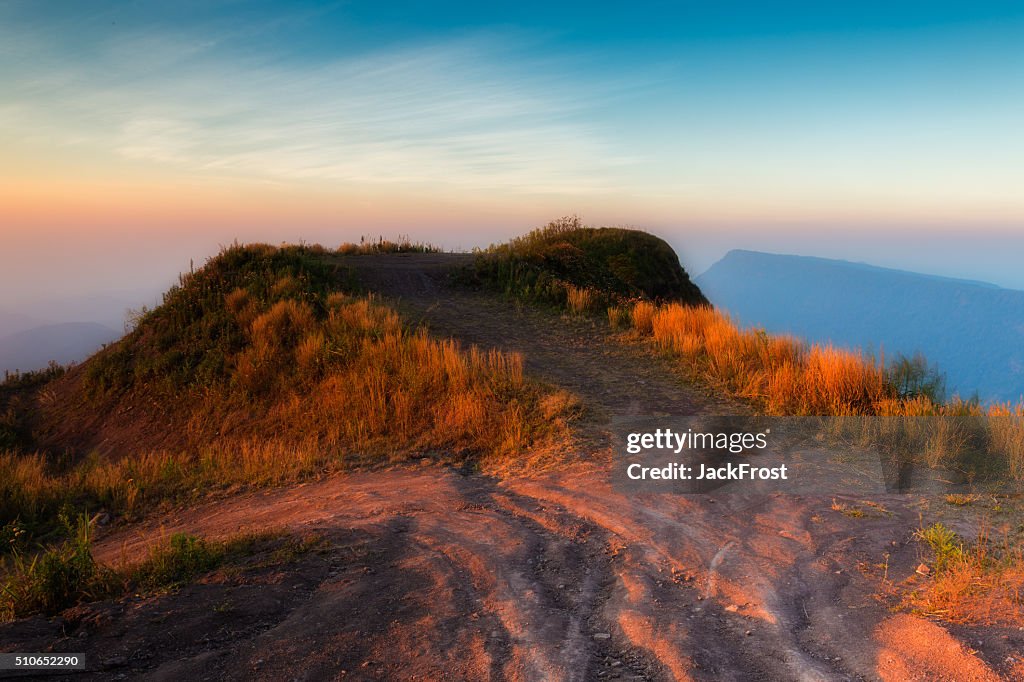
[973, 583]
[270, 376]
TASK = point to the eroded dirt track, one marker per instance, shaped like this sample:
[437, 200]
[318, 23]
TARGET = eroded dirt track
[571, 352]
[431, 573]
[428, 573]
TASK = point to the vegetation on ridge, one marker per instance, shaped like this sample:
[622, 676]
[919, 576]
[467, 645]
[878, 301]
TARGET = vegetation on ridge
[586, 268]
[782, 375]
[629, 273]
[194, 338]
[369, 246]
[260, 368]
[266, 366]
[66, 574]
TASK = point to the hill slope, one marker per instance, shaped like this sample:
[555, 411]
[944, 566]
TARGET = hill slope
[267, 355]
[972, 330]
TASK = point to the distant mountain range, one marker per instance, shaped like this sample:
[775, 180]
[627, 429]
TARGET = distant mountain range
[12, 322]
[66, 328]
[974, 331]
[34, 348]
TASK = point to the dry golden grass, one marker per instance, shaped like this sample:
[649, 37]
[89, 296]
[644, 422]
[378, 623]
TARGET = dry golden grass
[971, 592]
[368, 383]
[579, 299]
[353, 387]
[642, 315]
[618, 316]
[785, 376]
[368, 245]
[978, 584]
[779, 373]
[1007, 432]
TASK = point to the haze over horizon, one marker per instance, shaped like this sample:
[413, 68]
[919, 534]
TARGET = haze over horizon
[138, 137]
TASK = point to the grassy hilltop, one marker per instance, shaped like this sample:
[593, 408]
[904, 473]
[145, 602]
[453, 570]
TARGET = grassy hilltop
[587, 268]
[269, 363]
[263, 366]
[272, 364]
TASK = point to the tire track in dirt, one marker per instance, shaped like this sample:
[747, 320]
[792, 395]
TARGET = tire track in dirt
[466, 577]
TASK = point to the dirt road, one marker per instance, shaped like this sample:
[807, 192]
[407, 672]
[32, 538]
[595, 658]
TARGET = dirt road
[430, 573]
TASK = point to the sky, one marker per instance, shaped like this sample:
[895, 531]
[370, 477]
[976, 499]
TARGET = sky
[136, 137]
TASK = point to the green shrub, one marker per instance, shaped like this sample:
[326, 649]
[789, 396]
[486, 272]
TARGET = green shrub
[65, 575]
[944, 543]
[619, 317]
[52, 580]
[19, 380]
[9, 436]
[912, 377]
[554, 264]
[185, 557]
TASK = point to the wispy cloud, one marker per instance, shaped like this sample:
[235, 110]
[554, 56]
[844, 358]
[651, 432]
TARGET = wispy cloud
[469, 113]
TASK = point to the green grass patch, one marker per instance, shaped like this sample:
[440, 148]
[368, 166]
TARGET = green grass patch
[178, 562]
[61, 576]
[53, 579]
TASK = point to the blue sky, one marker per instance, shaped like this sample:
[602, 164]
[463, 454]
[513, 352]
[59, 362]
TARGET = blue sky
[883, 132]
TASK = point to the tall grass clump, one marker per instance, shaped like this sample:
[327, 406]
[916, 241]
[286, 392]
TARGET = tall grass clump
[618, 316]
[1007, 432]
[579, 300]
[369, 245]
[780, 374]
[53, 579]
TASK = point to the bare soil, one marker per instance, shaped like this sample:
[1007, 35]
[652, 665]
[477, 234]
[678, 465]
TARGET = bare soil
[430, 572]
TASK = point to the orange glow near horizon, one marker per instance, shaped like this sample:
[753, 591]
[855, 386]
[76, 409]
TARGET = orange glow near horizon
[190, 203]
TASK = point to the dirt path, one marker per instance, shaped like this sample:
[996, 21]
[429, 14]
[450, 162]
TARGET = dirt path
[571, 352]
[429, 573]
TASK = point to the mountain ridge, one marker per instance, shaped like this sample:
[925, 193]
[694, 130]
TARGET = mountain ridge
[870, 267]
